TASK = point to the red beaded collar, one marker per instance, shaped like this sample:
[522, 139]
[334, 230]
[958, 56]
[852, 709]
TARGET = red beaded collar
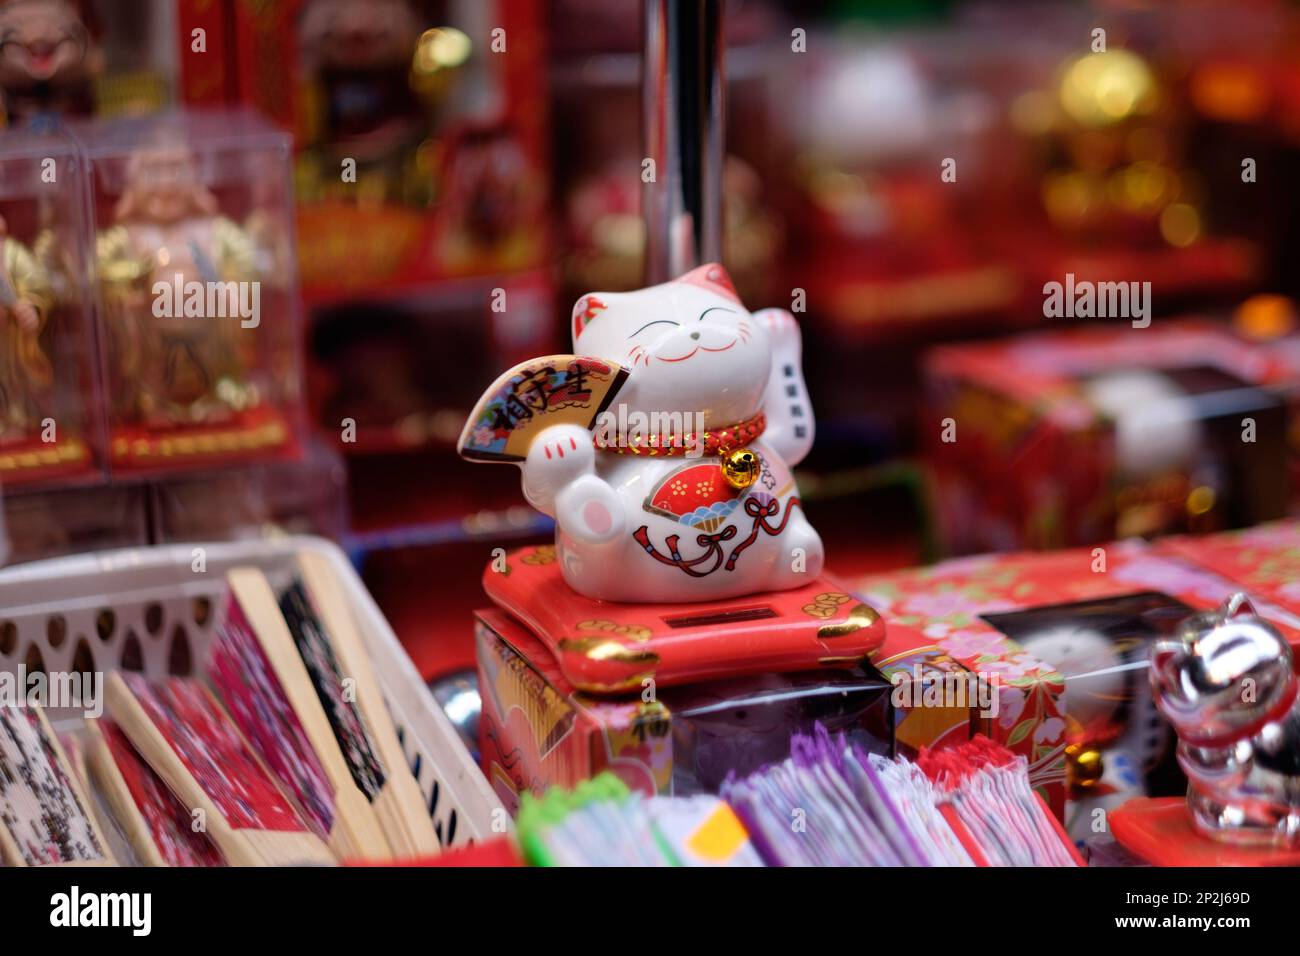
[716, 443]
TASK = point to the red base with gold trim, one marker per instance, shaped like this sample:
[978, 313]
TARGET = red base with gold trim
[256, 433]
[30, 461]
[605, 647]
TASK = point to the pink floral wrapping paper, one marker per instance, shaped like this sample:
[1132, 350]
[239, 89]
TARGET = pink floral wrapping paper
[934, 626]
[934, 621]
[1263, 560]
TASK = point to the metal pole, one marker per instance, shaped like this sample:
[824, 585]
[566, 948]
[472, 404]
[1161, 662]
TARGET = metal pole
[682, 120]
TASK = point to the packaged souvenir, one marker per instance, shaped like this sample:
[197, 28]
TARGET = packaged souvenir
[536, 729]
[1048, 653]
[195, 288]
[1178, 426]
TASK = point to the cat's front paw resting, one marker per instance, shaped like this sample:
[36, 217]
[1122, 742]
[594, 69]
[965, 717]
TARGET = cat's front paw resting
[589, 510]
[560, 479]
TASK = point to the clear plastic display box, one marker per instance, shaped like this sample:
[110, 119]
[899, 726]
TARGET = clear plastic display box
[195, 288]
[50, 431]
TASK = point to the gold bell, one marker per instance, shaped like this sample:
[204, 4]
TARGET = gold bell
[1083, 766]
[740, 468]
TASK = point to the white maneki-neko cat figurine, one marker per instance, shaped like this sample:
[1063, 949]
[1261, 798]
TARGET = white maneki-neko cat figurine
[663, 446]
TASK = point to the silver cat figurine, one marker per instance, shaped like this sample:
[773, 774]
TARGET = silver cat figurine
[1226, 683]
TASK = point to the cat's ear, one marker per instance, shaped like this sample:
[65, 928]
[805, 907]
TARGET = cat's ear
[586, 310]
[713, 277]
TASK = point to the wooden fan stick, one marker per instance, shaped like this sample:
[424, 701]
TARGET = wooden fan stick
[399, 804]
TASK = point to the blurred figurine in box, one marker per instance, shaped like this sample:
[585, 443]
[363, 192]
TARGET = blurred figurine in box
[170, 366]
[26, 298]
[49, 58]
[491, 199]
[373, 78]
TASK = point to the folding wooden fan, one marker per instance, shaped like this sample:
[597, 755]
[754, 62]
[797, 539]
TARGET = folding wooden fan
[180, 729]
[159, 826]
[261, 677]
[45, 817]
[532, 396]
[332, 650]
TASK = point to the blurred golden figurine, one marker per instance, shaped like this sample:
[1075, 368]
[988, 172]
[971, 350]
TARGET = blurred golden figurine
[25, 371]
[376, 82]
[169, 367]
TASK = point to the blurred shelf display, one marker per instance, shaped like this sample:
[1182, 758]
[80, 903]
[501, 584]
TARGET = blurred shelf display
[388, 373]
[1034, 265]
[306, 495]
[50, 523]
[421, 151]
[1176, 427]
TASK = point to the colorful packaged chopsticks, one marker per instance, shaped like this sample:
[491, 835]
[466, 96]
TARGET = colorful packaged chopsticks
[825, 806]
[985, 795]
[831, 804]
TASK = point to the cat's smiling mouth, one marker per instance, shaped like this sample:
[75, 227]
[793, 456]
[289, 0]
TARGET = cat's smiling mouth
[698, 348]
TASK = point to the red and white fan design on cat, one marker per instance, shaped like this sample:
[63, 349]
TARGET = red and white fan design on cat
[697, 496]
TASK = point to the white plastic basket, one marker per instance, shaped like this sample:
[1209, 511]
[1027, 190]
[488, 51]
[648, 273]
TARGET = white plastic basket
[149, 609]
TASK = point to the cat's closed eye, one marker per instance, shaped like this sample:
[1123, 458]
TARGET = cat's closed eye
[716, 308]
[655, 322]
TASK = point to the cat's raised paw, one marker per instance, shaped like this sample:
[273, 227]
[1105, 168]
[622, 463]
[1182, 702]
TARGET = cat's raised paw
[558, 456]
[782, 329]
